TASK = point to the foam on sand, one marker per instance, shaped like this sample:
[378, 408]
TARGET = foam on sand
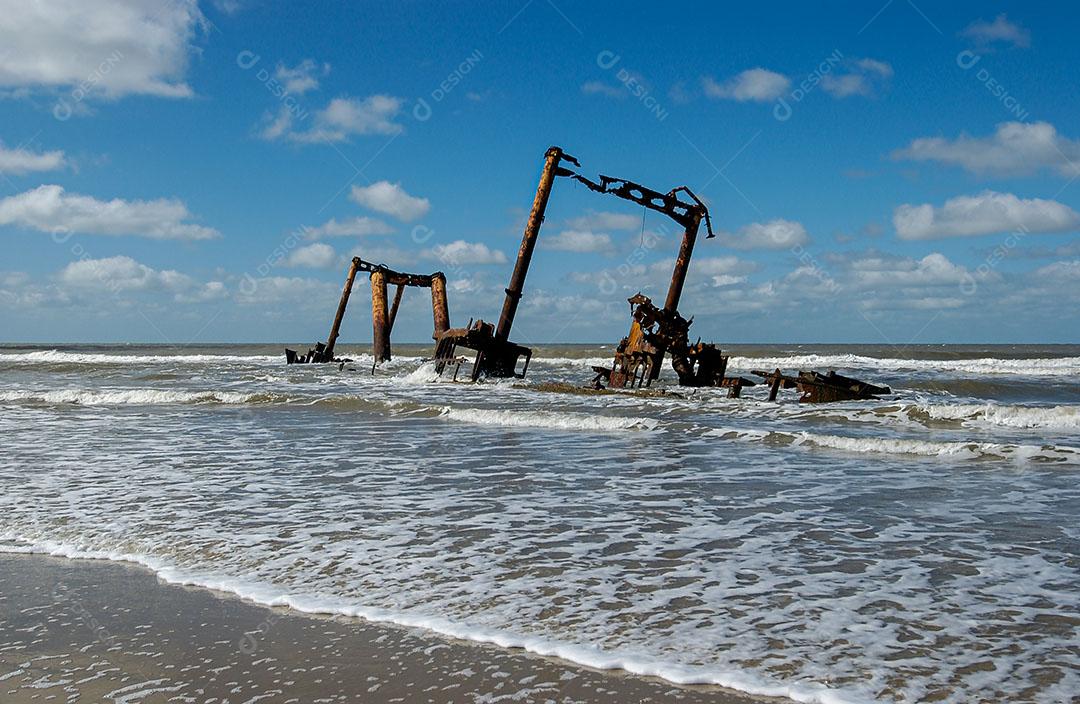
[586, 655]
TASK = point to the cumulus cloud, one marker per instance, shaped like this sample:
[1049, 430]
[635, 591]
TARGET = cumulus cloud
[108, 48]
[1001, 30]
[756, 84]
[350, 227]
[285, 289]
[460, 252]
[390, 199]
[301, 78]
[860, 77]
[775, 234]
[49, 208]
[313, 256]
[579, 241]
[1015, 148]
[124, 274]
[20, 161]
[934, 269]
[339, 120]
[982, 214]
[603, 220]
[605, 89]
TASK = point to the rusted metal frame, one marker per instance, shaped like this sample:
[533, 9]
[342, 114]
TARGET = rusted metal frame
[394, 308]
[552, 158]
[439, 309]
[328, 353]
[380, 319]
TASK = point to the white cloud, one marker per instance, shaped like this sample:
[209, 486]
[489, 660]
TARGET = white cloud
[286, 289]
[108, 48]
[49, 209]
[301, 78]
[873, 66]
[341, 119]
[390, 199]
[775, 234]
[21, 161]
[1000, 30]
[934, 269]
[461, 252]
[605, 89]
[757, 84]
[123, 274]
[350, 227]
[579, 241]
[982, 214]
[313, 256]
[1015, 148]
[593, 220]
[860, 77]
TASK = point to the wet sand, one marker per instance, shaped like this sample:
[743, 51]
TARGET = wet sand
[90, 631]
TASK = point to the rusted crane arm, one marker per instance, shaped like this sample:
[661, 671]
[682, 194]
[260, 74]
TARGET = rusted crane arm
[667, 203]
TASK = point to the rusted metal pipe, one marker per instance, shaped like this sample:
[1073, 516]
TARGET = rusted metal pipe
[379, 318]
[345, 293]
[528, 243]
[439, 308]
[394, 308]
[682, 263]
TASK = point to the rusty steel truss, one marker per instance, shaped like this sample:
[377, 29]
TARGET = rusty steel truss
[382, 315]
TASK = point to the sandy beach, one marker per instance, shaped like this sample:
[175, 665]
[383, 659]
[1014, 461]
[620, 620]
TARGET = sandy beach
[95, 631]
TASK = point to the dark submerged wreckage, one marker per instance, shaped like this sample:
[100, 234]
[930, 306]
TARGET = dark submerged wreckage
[654, 331]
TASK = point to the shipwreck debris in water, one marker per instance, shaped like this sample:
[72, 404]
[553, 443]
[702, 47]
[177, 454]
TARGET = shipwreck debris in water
[654, 331]
[382, 315]
[822, 388]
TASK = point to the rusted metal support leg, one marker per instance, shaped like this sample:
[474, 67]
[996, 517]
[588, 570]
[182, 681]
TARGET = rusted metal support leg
[439, 308]
[345, 293]
[774, 385]
[682, 264]
[379, 318]
[394, 308]
[528, 243]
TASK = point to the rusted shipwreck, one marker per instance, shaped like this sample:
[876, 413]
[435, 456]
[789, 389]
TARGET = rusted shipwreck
[655, 331]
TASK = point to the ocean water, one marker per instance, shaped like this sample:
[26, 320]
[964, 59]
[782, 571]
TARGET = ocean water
[920, 547]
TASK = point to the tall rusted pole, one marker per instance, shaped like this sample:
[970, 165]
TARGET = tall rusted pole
[528, 243]
[379, 318]
[682, 263]
[394, 308]
[345, 293]
[439, 309]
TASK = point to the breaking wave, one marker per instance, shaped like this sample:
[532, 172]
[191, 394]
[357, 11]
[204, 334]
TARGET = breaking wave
[1007, 416]
[1045, 366]
[547, 419]
[145, 397]
[961, 449]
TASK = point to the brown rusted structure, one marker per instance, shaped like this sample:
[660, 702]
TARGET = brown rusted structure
[495, 354]
[382, 314]
[822, 388]
[654, 331]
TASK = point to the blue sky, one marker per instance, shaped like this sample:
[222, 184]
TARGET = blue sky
[181, 171]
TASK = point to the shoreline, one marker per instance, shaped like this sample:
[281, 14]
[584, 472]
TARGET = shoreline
[115, 631]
